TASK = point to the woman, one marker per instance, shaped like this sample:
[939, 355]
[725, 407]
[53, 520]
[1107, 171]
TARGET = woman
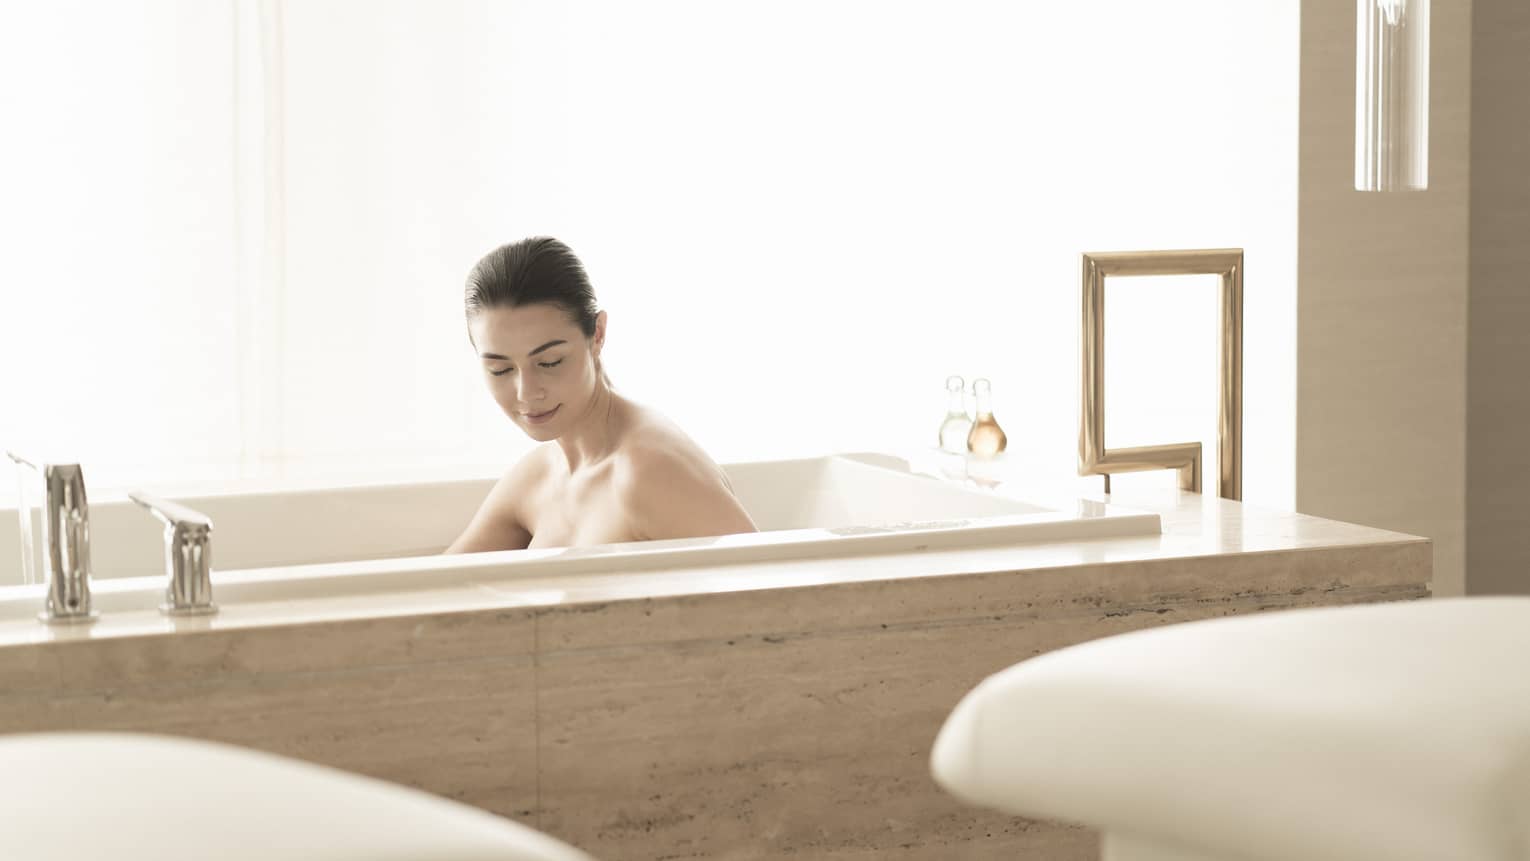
[612, 470]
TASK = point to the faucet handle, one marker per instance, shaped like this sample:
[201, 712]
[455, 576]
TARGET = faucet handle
[40, 461]
[172, 514]
[188, 556]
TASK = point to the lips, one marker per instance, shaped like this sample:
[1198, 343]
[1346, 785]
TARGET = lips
[539, 418]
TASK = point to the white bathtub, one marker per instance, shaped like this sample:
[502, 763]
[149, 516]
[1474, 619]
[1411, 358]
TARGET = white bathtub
[284, 543]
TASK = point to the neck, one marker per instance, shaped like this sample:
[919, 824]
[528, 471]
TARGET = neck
[594, 436]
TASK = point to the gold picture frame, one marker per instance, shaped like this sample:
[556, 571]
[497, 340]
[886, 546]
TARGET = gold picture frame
[1186, 457]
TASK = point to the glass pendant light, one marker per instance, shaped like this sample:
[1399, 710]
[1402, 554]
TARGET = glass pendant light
[1392, 95]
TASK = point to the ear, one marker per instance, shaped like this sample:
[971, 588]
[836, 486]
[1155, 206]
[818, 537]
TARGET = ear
[600, 331]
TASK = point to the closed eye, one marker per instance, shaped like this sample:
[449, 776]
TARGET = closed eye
[539, 364]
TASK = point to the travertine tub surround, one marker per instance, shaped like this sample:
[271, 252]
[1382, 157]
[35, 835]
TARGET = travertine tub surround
[747, 711]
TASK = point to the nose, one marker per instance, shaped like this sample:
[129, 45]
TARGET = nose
[529, 390]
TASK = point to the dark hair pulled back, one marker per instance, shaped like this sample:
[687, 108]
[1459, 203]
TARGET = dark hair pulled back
[539, 269]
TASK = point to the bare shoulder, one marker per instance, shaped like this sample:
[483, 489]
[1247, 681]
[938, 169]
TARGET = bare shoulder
[670, 488]
[658, 447]
[502, 522]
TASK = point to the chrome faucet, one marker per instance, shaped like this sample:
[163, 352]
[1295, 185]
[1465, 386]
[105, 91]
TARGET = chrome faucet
[66, 539]
[188, 556]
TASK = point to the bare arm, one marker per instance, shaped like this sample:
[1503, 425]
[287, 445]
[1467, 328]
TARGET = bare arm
[500, 523]
[668, 496]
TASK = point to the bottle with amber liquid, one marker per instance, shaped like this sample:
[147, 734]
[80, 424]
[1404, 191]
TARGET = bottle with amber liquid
[986, 439]
[954, 430]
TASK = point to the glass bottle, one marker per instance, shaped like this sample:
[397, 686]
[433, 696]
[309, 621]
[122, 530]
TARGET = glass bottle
[954, 430]
[986, 439]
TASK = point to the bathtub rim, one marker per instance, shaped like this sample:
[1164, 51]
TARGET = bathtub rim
[416, 573]
[1064, 520]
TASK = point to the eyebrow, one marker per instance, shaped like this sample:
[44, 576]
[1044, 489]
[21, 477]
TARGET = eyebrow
[547, 346]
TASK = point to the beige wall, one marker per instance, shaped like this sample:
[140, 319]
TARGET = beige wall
[1413, 310]
[1381, 434]
[1498, 356]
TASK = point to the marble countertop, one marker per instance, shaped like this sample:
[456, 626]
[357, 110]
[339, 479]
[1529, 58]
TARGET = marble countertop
[1193, 526]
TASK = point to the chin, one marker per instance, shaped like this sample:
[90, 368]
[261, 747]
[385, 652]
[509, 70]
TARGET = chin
[543, 433]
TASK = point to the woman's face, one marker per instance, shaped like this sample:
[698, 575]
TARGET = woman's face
[539, 365]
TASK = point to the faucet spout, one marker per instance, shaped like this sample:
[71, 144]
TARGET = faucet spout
[66, 542]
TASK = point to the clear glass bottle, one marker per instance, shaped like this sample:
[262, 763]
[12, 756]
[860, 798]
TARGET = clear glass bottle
[986, 439]
[958, 423]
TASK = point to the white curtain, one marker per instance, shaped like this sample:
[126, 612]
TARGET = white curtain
[120, 224]
[236, 232]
